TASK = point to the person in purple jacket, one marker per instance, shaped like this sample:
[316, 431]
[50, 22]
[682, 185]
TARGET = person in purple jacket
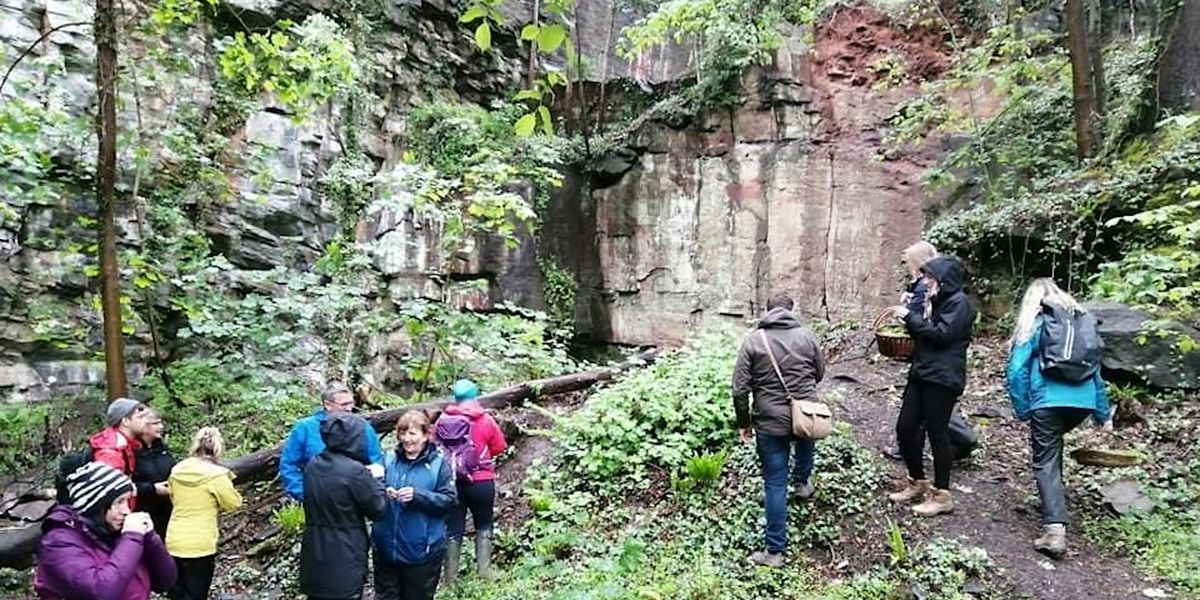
[96, 548]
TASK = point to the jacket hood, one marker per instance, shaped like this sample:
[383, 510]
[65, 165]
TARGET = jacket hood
[947, 271]
[109, 437]
[779, 318]
[61, 514]
[345, 434]
[195, 472]
[471, 409]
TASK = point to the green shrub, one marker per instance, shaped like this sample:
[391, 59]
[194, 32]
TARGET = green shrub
[653, 419]
[290, 518]
[941, 568]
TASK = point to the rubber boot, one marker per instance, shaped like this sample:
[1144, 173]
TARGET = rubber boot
[1053, 542]
[917, 488]
[450, 563]
[938, 502]
[483, 555]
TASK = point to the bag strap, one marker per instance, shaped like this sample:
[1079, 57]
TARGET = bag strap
[771, 355]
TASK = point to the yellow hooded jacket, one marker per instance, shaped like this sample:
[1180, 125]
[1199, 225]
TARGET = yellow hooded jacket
[199, 490]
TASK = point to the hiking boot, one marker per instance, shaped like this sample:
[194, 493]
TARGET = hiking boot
[1053, 542]
[483, 555]
[767, 559]
[892, 452]
[917, 488]
[938, 502]
[803, 491]
[450, 563]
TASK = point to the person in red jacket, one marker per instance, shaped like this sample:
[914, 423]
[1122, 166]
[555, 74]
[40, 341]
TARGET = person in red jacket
[477, 489]
[117, 444]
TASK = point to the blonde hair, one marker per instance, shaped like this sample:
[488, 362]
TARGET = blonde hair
[208, 442]
[1040, 290]
[916, 255]
[414, 418]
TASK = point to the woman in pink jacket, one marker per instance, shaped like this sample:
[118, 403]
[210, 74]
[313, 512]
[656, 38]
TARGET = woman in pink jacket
[471, 439]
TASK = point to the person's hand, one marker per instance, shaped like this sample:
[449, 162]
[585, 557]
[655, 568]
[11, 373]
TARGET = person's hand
[376, 470]
[137, 523]
[162, 488]
[905, 297]
[405, 494]
[392, 493]
[746, 435]
[900, 312]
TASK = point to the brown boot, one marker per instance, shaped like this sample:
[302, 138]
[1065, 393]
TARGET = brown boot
[1053, 542]
[917, 488]
[938, 502]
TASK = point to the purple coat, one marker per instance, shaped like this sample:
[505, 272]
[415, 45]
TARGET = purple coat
[74, 563]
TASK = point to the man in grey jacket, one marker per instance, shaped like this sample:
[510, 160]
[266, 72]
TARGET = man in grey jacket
[798, 354]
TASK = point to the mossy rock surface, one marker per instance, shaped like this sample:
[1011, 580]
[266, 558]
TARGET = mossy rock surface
[1106, 457]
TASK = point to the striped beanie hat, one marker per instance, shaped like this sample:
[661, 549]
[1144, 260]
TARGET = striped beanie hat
[96, 485]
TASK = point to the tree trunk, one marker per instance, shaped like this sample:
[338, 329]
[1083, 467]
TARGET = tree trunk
[1179, 69]
[1082, 77]
[106, 196]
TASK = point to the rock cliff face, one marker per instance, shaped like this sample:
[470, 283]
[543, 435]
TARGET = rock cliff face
[788, 194]
[691, 223]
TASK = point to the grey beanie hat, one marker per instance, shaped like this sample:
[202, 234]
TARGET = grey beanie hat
[94, 486]
[119, 409]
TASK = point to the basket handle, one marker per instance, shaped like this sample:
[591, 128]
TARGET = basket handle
[879, 317]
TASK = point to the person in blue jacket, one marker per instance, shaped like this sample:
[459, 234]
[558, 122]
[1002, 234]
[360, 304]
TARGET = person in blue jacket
[304, 442]
[1051, 407]
[410, 541]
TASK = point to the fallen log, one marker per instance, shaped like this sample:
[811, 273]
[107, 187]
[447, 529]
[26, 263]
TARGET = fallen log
[18, 544]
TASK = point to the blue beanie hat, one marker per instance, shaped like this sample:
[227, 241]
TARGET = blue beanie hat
[465, 389]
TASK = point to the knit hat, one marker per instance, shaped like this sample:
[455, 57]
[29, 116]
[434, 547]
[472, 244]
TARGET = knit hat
[119, 409]
[465, 389]
[95, 486]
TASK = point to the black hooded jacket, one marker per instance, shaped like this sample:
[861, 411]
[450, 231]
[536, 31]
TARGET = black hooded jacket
[340, 495]
[154, 464]
[942, 339]
[799, 356]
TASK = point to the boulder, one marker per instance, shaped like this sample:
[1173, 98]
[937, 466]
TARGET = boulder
[1151, 355]
[1125, 496]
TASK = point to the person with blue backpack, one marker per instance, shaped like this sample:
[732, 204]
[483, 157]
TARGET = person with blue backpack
[410, 540]
[471, 440]
[1054, 383]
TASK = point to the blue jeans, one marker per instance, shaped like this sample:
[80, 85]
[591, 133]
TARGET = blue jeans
[773, 453]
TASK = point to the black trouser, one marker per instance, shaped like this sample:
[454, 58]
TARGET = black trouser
[408, 582]
[1046, 430]
[195, 578]
[480, 498]
[926, 411]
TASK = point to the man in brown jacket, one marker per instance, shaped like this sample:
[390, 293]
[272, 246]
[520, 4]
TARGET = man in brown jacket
[798, 355]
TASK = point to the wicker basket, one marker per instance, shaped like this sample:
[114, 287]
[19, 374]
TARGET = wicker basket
[892, 345]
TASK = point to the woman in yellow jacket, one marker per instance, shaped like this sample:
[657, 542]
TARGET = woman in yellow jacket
[200, 488]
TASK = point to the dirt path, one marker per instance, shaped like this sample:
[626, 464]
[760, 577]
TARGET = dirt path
[996, 502]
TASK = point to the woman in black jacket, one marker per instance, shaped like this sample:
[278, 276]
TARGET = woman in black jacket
[341, 493]
[935, 381]
[150, 474]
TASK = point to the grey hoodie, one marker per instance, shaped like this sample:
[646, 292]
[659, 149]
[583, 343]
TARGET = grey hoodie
[800, 359]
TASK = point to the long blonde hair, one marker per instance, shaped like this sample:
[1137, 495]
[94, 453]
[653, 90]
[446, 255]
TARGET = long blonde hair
[208, 443]
[1042, 289]
[916, 255]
